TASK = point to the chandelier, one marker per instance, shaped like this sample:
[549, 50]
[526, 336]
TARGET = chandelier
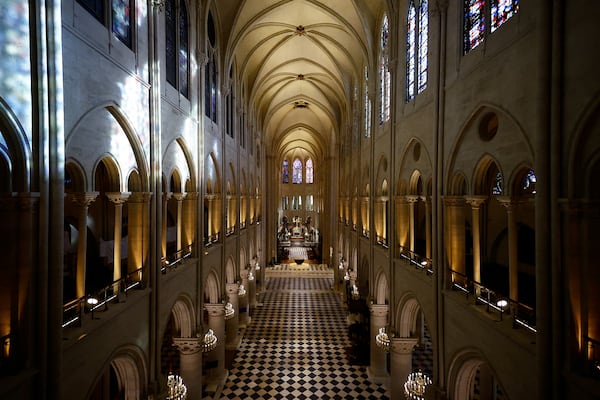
[229, 311]
[383, 340]
[355, 294]
[415, 385]
[209, 342]
[242, 291]
[176, 390]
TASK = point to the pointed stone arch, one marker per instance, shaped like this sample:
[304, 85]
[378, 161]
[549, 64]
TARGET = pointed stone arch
[15, 147]
[382, 289]
[212, 292]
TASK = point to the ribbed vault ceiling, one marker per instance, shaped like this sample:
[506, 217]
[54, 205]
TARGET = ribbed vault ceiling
[298, 59]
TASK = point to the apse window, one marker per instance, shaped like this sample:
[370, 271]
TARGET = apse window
[417, 48]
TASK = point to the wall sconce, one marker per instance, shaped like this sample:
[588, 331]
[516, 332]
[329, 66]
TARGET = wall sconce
[92, 302]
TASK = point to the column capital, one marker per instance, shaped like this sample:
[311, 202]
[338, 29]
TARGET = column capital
[232, 288]
[215, 310]
[244, 273]
[191, 195]
[83, 199]
[403, 345]
[510, 202]
[118, 197]
[140, 197]
[412, 198]
[401, 199]
[24, 201]
[379, 310]
[179, 196]
[167, 196]
[454, 200]
[190, 345]
[475, 201]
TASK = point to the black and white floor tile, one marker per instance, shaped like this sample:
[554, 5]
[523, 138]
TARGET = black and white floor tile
[295, 347]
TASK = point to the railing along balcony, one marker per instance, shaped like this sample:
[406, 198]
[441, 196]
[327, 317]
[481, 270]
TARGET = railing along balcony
[522, 314]
[418, 261]
[74, 310]
[592, 348]
[171, 261]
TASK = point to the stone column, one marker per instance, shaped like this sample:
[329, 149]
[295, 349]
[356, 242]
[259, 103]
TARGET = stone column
[377, 369]
[190, 365]
[411, 220]
[400, 364]
[476, 202]
[138, 232]
[82, 201]
[165, 202]
[216, 322]
[513, 260]
[454, 232]
[179, 198]
[427, 200]
[118, 199]
[402, 223]
[244, 302]
[252, 287]
[232, 324]
[189, 220]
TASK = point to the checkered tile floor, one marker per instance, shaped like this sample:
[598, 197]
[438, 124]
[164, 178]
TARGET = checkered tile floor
[295, 347]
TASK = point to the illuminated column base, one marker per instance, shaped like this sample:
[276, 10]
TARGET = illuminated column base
[378, 366]
[400, 364]
[190, 365]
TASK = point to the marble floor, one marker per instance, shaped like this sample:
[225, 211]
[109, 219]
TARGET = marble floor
[295, 347]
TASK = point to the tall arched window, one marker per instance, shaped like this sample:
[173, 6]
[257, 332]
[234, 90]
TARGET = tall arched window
[385, 76]
[285, 172]
[297, 171]
[479, 14]
[210, 71]
[501, 11]
[417, 48]
[309, 171]
[177, 52]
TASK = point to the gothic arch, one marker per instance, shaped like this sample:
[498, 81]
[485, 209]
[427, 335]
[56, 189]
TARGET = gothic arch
[212, 294]
[118, 122]
[408, 313]
[130, 369]
[463, 373]
[506, 143]
[17, 149]
[184, 316]
[382, 289]
[230, 272]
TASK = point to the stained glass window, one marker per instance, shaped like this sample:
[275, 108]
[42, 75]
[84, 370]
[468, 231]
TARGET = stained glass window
[297, 171]
[384, 73]
[529, 182]
[501, 11]
[171, 41]
[498, 184]
[121, 21]
[309, 171]
[411, 28]
[285, 172]
[423, 44]
[474, 29]
[183, 49]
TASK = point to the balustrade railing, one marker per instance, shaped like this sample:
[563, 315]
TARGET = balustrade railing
[522, 314]
[74, 310]
[171, 261]
[592, 348]
[417, 260]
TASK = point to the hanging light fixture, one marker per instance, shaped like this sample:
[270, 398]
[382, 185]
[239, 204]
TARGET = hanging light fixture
[383, 340]
[176, 390]
[241, 291]
[209, 342]
[415, 385]
[229, 311]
